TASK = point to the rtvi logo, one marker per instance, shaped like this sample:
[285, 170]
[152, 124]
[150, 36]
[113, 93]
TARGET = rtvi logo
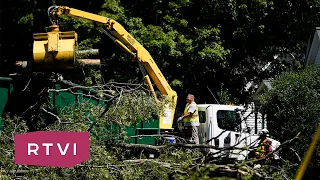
[50, 148]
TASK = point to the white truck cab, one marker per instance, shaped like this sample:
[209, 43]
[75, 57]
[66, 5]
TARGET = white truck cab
[224, 124]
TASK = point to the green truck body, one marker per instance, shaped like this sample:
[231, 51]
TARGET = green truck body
[5, 91]
[59, 100]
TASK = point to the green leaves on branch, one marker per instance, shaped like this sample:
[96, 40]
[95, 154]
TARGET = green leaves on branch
[125, 109]
[129, 108]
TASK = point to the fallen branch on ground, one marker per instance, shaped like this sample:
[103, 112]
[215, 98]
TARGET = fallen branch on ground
[158, 148]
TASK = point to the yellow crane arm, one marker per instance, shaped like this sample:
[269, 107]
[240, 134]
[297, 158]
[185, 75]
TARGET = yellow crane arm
[128, 43]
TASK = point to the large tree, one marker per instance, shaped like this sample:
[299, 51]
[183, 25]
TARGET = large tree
[219, 44]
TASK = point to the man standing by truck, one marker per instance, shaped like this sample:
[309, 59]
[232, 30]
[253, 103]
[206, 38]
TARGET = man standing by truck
[191, 119]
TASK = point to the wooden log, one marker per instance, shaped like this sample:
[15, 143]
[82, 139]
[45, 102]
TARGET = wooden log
[86, 54]
[88, 63]
[89, 51]
[82, 63]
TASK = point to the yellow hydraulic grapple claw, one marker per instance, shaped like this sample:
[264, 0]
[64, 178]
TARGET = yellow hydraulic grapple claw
[55, 49]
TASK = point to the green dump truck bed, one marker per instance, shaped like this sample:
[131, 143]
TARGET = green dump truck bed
[58, 100]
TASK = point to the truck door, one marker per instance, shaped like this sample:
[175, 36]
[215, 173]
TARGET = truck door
[227, 121]
[202, 130]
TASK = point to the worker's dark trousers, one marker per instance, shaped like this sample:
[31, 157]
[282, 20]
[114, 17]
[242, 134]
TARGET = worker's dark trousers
[191, 132]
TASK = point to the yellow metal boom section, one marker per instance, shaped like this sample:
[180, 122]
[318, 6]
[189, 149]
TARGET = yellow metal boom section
[128, 43]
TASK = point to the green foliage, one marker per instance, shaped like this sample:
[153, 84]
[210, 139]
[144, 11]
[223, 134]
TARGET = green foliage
[14, 125]
[215, 40]
[292, 106]
[126, 109]
[103, 163]
[226, 98]
[134, 107]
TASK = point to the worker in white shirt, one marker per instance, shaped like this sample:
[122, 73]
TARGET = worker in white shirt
[190, 118]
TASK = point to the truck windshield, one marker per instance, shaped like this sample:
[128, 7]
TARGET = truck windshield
[229, 120]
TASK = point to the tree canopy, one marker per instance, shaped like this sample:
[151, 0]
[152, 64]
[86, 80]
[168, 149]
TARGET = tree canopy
[219, 44]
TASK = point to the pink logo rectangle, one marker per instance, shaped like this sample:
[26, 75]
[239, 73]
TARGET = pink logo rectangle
[52, 148]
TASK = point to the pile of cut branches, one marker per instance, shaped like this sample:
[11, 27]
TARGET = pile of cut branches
[126, 105]
[180, 161]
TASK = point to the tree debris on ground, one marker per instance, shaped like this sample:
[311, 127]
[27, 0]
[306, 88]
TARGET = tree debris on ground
[128, 104]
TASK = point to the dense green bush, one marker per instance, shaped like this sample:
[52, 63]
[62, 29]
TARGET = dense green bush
[292, 106]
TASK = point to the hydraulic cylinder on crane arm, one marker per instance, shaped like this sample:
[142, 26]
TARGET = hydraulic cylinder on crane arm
[126, 42]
